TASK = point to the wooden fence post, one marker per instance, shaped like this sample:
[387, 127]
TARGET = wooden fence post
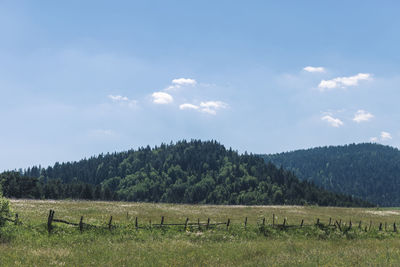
[370, 225]
[228, 223]
[273, 219]
[284, 223]
[330, 221]
[81, 224]
[208, 223]
[245, 223]
[16, 219]
[339, 225]
[136, 223]
[110, 223]
[162, 220]
[350, 224]
[317, 222]
[50, 220]
[198, 223]
[394, 227]
[263, 223]
[380, 226]
[186, 223]
[302, 221]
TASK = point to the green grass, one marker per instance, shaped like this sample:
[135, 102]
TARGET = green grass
[30, 244]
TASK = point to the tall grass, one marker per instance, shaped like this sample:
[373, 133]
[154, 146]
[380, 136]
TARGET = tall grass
[31, 245]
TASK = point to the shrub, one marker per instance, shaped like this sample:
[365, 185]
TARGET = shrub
[4, 208]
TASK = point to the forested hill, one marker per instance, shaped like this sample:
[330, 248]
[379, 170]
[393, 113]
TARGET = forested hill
[369, 171]
[185, 172]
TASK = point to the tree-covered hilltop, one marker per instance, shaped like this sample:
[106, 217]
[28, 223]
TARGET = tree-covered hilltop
[185, 172]
[368, 171]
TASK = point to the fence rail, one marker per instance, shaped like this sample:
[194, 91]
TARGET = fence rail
[333, 224]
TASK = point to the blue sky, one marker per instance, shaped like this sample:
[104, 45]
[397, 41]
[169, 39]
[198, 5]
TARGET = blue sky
[78, 78]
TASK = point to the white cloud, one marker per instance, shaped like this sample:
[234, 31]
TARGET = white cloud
[334, 122]
[118, 98]
[314, 69]
[343, 82]
[373, 139]
[123, 100]
[385, 136]
[162, 98]
[362, 115]
[188, 106]
[178, 83]
[211, 107]
[184, 81]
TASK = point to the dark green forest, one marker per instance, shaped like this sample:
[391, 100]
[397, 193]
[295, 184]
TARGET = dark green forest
[184, 172]
[369, 171]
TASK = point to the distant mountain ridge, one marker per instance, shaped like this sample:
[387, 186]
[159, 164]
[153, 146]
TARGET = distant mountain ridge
[183, 172]
[369, 171]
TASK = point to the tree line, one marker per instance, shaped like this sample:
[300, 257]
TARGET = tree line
[184, 172]
[368, 171]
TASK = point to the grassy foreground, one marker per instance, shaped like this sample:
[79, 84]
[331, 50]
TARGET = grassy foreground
[30, 244]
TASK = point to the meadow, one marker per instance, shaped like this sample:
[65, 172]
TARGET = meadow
[30, 244]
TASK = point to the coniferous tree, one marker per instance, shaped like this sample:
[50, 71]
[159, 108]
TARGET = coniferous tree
[367, 171]
[184, 172]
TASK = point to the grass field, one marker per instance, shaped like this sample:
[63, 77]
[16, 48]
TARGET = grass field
[30, 244]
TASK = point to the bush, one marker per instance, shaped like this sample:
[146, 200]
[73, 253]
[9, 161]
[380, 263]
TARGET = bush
[4, 208]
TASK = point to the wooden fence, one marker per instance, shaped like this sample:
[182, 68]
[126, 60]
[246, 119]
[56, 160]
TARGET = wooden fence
[110, 226]
[333, 224]
[341, 226]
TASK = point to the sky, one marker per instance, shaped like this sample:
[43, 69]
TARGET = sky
[79, 78]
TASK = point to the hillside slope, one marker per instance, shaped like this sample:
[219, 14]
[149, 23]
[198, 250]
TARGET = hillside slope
[185, 172]
[368, 171]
